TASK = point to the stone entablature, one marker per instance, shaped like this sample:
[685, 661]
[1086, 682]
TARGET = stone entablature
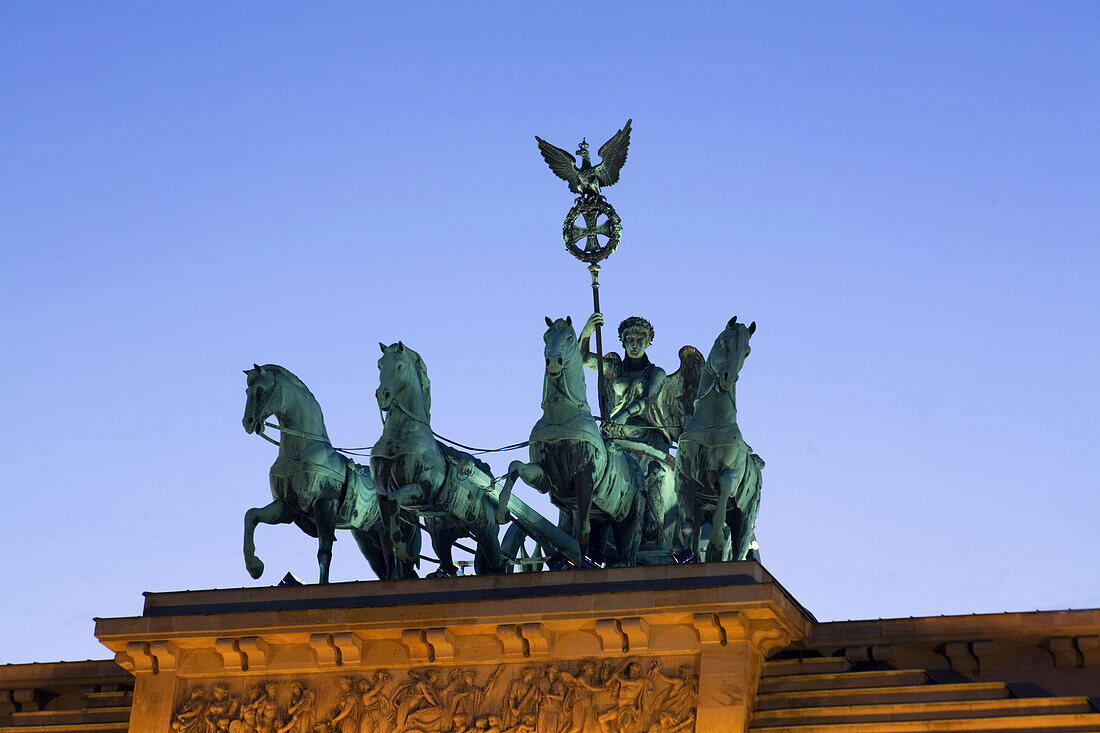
[623, 642]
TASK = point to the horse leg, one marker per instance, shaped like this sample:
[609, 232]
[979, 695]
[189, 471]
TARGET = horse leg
[326, 535]
[368, 545]
[488, 560]
[582, 490]
[531, 474]
[628, 534]
[597, 548]
[443, 534]
[277, 512]
[747, 506]
[387, 527]
[726, 483]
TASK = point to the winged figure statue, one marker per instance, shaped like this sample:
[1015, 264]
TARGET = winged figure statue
[587, 179]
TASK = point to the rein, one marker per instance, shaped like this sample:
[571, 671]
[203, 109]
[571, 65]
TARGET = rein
[714, 388]
[396, 403]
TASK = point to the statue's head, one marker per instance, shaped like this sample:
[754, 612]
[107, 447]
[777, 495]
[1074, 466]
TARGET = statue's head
[260, 404]
[220, 692]
[582, 149]
[345, 684]
[295, 688]
[561, 345]
[528, 673]
[552, 672]
[401, 369]
[272, 689]
[636, 334]
[727, 356]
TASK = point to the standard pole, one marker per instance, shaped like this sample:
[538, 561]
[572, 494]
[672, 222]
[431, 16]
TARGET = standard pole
[595, 270]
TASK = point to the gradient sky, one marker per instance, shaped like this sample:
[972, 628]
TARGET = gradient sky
[903, 196]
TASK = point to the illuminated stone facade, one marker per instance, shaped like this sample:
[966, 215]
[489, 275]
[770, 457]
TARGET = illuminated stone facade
[672, 648]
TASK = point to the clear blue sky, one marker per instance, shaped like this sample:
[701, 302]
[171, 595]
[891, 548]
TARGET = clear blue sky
[902, 195]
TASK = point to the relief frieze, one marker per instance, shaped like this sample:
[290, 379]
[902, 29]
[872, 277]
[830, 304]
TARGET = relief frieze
[589, 696]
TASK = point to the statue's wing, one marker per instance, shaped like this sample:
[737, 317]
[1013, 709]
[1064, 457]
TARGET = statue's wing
[680, 390]
[562, 163]
[613, 156]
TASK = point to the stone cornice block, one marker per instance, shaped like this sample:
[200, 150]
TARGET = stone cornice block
[1089, 646]
[416, 643]
[166, 653]
[350, 647]
[1064, 653]
[442, 642]
[324, 650]
[138, 651]
[256, 651]
[233, 658]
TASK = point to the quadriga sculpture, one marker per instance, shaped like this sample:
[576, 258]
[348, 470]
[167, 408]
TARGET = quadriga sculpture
[413, 471]
[716, 470]
[312, 484]
[594, 483]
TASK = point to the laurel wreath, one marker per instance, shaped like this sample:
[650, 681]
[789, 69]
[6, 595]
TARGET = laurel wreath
[572, 234]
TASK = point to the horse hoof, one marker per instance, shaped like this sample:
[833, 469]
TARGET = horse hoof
[440, 574]
[255, 568]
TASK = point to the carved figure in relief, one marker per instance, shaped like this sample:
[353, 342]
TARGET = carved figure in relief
[521, 697]
[344, 718]
[418, 700]
[594, 698]
[189, 715]
[579, 699]
[668, 723]
[221, 710]
[681, 695]
[300, 711]
[374, 706]
[462, 699]
[267, 708]
[551, 703]
[246, 723]
[526, 725]
[628, 687]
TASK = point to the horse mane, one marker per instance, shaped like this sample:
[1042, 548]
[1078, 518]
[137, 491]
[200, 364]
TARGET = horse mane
[425, 383]
[285, 373]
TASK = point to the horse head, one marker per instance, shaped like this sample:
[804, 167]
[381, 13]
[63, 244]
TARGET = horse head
[727, 356]
[402, 375]
[561, 345]
[261, 402]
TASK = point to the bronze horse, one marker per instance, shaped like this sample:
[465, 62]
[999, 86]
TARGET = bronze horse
[715, 469]
[597, 486]
[312, 484]
[413, 472]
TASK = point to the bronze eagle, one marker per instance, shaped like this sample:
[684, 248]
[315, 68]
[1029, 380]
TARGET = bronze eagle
[587, 179]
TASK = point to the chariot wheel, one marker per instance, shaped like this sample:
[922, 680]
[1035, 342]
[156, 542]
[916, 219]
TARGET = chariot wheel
[523, 553]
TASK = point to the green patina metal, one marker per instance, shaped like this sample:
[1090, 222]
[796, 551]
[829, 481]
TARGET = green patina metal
[716, 471]
[624, 497]
[312, 485]
[648, 409]
[412, 471]
[598, 487]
